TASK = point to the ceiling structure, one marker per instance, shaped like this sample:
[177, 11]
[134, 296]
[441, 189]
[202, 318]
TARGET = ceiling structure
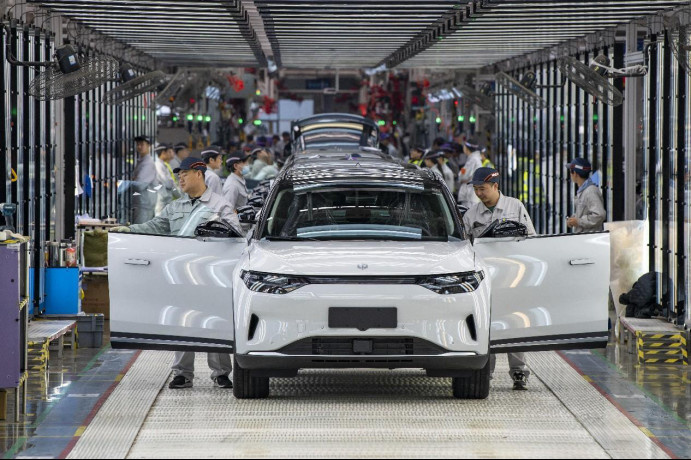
[349, 34]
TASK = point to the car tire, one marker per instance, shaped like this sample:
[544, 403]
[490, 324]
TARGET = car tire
[474, 386]
[245, 386]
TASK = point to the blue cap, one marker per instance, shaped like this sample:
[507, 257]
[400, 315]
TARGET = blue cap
[210, 153]
[190, 163]
[433, 154]
[580, 165]
[485, 176]
[448, 147]
[143, 139]
[235, 158]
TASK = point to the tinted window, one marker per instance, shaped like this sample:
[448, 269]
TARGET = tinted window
[357, 213]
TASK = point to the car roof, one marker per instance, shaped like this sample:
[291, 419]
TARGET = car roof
[358, 172]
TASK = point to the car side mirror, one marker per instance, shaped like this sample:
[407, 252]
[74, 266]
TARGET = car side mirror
[256, 202]
[461, 209]
[216, 229]
[247, 215]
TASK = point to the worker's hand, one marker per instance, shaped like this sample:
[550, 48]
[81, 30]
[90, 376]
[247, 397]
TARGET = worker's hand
[121, 229]
[572, 222]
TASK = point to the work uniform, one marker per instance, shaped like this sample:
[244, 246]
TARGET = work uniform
[267, 172]
[257, 166]
[447, 174]
[166, 179]
[213, 181]
[476, 220]
[466, 193]
[181, 218]
[590, 209]
[235, 191]
[144, 190]
[478, 217]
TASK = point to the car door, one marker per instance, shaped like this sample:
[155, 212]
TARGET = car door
[548, 292]
[172, 293]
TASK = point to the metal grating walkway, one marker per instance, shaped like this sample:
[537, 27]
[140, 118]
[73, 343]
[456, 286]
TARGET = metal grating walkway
[369, 414]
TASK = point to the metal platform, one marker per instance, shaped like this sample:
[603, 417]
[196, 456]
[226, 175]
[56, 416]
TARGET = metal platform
[369, 414]
[655, 341]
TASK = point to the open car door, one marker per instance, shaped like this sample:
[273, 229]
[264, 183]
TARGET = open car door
[548, 292]
[172, 293]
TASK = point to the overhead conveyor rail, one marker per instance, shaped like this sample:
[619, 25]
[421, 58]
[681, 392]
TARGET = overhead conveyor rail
[184, 33]
[490, 31]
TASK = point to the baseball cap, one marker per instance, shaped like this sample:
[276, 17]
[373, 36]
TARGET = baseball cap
[580, 165]
[210, 153]
[143, 138]
[433, 154]
[162, 147]
[485, 176]
[190, 163]
[235, 158]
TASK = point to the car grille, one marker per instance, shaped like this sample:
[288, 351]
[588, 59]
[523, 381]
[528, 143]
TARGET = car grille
[381, 346]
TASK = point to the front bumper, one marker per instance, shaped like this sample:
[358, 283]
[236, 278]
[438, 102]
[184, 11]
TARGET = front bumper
[268, 323]
[452, 364]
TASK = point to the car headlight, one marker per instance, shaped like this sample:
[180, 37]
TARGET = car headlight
[457, 283]
[270, 283]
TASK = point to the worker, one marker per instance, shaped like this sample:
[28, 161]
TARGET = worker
[214, 162]
[181, 218]
[494, 206]
[416, 154]
[466, 194]
[486, 161]
[429, 160]
[143, 183]
[261, 159]
[590, 209]
[444, 170]
[167, 192]
[387, 146]
[235, 188]
[269, 171]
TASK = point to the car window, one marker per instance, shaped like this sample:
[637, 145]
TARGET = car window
[361, 213]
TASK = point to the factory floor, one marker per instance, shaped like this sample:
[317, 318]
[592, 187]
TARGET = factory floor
[103, 403]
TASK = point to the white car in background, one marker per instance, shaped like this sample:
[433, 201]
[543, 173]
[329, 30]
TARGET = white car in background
[358, 263]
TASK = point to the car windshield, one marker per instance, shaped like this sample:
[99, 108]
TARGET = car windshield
[360, 213]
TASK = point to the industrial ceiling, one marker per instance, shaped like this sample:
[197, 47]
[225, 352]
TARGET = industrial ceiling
[349, 34]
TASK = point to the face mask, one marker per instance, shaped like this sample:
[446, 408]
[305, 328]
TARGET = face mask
[245, 170]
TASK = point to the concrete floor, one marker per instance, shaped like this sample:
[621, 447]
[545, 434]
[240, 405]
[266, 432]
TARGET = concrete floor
[580, 404]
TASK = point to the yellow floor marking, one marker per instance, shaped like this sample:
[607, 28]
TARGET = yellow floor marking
[588, 379]
[80, 431]
[647, 432]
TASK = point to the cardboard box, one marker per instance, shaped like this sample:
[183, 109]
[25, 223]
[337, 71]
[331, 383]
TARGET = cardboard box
[96, 295]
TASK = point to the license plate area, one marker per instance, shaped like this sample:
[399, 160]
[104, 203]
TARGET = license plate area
[363, 318]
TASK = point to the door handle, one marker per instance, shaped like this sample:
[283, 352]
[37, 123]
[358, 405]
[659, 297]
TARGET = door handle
[582, 262]
[137, 262]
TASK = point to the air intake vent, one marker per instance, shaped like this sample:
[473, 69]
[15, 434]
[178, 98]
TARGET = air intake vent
[254, 322]
[470, 321]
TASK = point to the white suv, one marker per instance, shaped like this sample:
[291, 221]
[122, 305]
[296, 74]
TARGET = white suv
[358, 263]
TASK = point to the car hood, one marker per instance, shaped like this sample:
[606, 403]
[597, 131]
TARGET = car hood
[361, 258]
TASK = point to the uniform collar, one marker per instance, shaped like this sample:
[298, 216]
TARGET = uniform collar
[205, 198]
[500, 204]
[238, 178]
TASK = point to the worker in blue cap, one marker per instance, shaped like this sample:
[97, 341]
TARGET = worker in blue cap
[495, 206]
[590, 208]
[181, 218]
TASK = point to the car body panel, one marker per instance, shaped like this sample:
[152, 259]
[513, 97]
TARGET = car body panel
[547, 292]
[170, 292]
[362, 258]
